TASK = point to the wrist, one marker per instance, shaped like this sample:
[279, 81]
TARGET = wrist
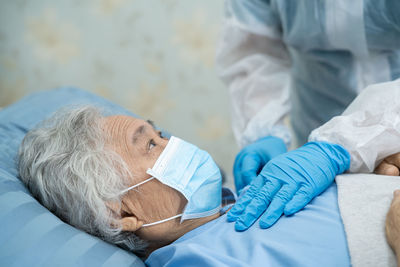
[336, 155]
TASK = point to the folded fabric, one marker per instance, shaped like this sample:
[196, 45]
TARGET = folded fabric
[364, 200]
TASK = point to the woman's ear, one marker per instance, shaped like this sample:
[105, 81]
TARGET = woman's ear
[130, 223]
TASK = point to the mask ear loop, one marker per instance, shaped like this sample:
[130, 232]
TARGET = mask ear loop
[136, 185]
[162, 221]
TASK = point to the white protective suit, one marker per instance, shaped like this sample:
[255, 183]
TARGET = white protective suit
[369, 128]
[309, 59]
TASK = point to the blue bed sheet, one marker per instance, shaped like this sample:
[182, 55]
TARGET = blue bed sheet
[312, 237]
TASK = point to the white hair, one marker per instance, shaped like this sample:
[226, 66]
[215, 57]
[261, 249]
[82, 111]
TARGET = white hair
[66, 165]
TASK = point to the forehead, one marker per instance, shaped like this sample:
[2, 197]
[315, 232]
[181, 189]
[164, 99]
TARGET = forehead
[121, 123]
[121, 119]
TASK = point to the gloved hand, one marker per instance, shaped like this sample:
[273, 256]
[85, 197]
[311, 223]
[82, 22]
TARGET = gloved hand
[288, 182]
[252, 158]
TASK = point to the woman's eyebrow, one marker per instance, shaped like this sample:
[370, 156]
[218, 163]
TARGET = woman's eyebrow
[152, 124]
[142, 129]
[138, 132]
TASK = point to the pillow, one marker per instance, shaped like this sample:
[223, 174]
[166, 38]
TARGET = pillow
[30, 234]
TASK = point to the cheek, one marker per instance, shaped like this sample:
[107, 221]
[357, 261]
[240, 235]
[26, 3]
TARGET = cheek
[139, 164]
[140, 160]
[174, 200]
[166, 200]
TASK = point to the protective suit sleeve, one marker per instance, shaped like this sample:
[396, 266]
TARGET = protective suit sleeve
[369, 128]
[255, 64]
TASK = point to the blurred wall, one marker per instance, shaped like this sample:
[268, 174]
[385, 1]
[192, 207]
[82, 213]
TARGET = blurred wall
[154, 57]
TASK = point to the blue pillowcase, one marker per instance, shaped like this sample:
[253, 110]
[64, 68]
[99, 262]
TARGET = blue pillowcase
[29, 233]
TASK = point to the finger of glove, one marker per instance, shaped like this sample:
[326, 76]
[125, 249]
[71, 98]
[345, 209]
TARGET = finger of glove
[242, 202]
[250, 166]
[258, 205]
[278, 203]
[238, 170]
[299, 201]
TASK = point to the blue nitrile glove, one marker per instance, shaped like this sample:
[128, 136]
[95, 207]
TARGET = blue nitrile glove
[252, 158]
[288, 182]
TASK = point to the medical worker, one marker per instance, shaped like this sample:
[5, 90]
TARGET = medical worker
[307, 61]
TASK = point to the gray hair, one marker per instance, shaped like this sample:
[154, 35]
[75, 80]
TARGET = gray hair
[66, 165]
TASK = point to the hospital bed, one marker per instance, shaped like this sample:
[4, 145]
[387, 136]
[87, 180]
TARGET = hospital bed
[30, 235]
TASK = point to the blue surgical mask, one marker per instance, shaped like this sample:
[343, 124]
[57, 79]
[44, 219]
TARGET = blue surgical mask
[191, 171]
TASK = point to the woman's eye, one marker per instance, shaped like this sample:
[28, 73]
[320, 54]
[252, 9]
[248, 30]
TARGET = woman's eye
[151, 144]
[160, 134]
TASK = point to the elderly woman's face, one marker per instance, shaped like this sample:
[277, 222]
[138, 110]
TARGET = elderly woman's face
[139, 145]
